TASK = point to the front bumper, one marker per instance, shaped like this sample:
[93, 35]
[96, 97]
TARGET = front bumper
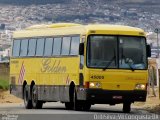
[101, 96]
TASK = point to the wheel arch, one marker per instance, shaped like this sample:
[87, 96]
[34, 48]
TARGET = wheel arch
[24, 84]
[71, 90]
[31, 86]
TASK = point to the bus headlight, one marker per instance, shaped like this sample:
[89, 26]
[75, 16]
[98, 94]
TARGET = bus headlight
[91, 84]
[140, 87]
[94, 85]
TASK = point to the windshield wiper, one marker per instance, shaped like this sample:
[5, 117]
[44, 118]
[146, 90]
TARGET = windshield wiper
[114, 57]
[130, 66]
[128, 63]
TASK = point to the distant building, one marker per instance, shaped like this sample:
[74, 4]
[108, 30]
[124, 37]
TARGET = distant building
[2, 26]
[5, 53]
[5, 38]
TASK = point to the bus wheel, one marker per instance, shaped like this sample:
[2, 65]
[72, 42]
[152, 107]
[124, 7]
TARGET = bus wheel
[27, 101]
[69, 105]
[35, 102]
[127, 107]
[78, 105]
[86, 106]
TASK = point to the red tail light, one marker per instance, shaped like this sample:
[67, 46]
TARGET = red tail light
[86, 85]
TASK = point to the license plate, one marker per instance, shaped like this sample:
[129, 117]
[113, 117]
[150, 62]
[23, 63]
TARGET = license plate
[117, 97]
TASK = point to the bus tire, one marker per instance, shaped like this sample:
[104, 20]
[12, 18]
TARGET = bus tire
[127, 107]
[78, 105]
[37, 104]
[69, 105]
[27, 101]
[86, 106]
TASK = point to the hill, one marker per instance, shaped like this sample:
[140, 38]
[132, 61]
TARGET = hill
[36, 2]
[18, 14]
[28, 2]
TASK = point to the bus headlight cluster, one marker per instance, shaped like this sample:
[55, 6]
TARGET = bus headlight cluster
[94, 85]
[140, 87]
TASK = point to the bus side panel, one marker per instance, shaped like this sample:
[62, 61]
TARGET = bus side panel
[16, 75]
[54, 76]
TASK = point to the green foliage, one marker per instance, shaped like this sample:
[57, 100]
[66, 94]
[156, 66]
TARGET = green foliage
[4, 76]
[4, 84]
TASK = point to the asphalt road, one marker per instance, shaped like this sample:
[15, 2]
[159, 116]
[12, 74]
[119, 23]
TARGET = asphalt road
[57, 111]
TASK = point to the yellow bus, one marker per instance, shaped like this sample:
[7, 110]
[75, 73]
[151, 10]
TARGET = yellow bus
[79, 65]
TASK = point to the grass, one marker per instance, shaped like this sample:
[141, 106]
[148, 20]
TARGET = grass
[4, 80]
[4, 84]
[4, 76]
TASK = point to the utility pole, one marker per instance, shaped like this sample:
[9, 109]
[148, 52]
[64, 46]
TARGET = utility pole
[157, 30]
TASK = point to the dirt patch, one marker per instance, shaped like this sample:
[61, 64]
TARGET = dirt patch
[6, 97]
[154, 109]
[152, 103]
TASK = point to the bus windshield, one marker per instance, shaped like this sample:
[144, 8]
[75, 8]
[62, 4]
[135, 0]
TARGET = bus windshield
[123, 52]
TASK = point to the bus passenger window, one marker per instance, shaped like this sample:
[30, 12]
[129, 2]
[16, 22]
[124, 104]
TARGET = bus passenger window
[66, 45]
[16, 48]
[32, 47]
[48, 47]
[57, 46]
[40, 47]
[24, 47]
[74, 46]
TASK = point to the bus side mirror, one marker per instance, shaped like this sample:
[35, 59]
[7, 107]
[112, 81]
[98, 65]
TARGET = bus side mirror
[81, 49]
[148, 51]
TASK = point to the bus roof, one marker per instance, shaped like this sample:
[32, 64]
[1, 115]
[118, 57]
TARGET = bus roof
[60, 29]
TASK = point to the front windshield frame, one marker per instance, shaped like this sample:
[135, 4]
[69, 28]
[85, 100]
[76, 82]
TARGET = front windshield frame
[117, 53]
